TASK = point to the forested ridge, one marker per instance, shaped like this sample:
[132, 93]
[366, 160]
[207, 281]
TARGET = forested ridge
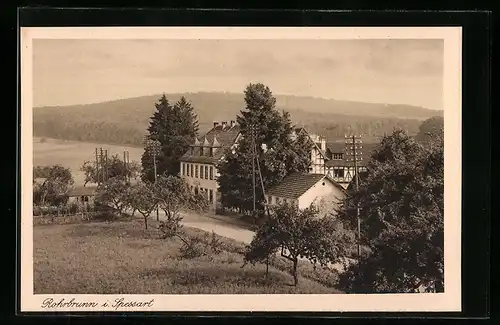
[125, 121]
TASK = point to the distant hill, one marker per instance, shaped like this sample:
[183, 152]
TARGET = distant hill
[125, 121]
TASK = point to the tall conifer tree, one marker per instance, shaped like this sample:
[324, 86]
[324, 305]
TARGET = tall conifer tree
[174, 127]
[270, 134]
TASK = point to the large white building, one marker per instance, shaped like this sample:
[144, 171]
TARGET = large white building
[198, 164]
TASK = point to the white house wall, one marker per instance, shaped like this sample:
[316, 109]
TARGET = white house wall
[204, 185]
[319, 191]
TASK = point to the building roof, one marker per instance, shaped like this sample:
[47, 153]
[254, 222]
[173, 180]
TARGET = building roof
[217, 137]
[296, 184]
[303, 129]
[83, 190]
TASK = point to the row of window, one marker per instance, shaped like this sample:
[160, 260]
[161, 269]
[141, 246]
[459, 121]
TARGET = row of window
[209, 194]
[339, 172]
[277, 200]
[197, 171]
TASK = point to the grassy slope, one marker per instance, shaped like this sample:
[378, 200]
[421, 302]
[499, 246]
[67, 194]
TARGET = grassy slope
[125, 121]
[124, 258]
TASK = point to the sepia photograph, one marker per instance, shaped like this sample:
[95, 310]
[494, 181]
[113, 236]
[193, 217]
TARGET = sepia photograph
[241, 169]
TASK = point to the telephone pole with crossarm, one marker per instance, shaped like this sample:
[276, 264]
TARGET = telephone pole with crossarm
[353, 146]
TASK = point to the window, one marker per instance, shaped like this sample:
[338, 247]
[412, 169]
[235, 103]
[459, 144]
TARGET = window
[211, 195]
[196, 171]
[192, 168]
[338, 173]
[337, 156]
[211, 172]
[196, 190]
[206, 172]
[182, 168]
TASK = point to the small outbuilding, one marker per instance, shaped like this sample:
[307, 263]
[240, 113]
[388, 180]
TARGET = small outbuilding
[84, 195]
[303, 189]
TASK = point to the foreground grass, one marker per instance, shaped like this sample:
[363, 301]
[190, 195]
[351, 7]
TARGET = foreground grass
[124, 258]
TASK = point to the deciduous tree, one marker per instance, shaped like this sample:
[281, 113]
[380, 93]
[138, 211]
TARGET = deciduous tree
[114, 192]
[56, 181]
[430, 129]
[299, 234]
[269, 134]
[143, 199]
[401, 209]
[115, 168]
[173, 196]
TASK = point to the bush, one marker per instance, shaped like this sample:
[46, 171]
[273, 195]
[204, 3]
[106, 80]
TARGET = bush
[192, 248]
[170, 228]
[104, 216]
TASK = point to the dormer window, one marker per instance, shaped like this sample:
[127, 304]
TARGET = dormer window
[337, 156]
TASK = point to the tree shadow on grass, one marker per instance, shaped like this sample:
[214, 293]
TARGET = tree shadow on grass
[132, 229]
[201, 279]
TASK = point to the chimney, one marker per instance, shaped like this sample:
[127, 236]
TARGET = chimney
[323, 144]
[233, 123]
[224, 124]
[216, 124]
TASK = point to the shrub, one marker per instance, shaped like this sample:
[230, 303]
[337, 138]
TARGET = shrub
[192, 248]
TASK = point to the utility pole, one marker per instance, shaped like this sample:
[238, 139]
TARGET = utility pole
[97, 166]
[351, 147]
[253, 170]
[125, 165]
[106, 163]
[153, 146]
[128, 166]
[103, 165]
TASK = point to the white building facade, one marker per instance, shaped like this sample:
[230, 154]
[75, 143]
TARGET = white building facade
[304, 189]
[199, 163]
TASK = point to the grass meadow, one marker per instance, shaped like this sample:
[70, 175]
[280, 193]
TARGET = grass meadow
[73, 154]
[123, 258]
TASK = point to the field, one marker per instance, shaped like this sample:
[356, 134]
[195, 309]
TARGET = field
[73, 154]
[124, 258]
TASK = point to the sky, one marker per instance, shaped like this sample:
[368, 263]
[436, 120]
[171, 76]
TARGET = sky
[69, 71]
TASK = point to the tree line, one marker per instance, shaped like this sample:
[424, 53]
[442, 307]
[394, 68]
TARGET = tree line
[123, 132]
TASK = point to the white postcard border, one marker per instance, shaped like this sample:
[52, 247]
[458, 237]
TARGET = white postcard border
[448, 301]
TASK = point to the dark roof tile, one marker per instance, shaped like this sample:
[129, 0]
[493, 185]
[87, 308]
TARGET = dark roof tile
[294, 185]
[224, 137]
